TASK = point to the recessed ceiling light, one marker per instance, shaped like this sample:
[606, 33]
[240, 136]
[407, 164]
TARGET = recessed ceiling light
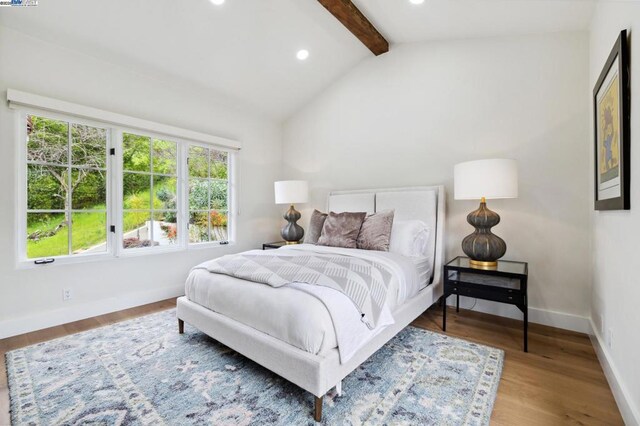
[417, 1]
[217, 2]
[302, 54]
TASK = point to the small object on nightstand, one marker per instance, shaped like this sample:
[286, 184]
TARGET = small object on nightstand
[274, 245]
[505, 283]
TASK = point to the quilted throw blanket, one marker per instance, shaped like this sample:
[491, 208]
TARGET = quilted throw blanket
[363, 281]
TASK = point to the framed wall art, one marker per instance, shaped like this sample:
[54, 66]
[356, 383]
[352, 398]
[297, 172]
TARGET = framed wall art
[611, 103]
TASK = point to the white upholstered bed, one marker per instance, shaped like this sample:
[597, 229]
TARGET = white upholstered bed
[291, 332]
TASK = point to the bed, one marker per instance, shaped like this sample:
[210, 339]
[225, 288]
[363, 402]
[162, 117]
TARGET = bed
[306, 333]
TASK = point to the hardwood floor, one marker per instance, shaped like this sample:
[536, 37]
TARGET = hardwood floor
[558, 382]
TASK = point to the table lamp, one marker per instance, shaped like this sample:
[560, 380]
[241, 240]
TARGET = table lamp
[291, 192]
[485, 179]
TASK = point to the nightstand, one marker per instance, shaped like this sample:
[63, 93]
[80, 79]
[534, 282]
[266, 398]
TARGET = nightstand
[505, 283]
[274, 245]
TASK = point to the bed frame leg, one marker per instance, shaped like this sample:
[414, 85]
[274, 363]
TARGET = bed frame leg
[339, 388]
[180, 326]
[317, 414]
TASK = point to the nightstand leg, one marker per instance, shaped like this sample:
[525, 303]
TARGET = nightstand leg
[526, 327]
[444, 313]
[457, 303]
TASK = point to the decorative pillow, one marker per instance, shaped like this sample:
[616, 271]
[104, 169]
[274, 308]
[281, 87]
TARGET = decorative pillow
[341, 229]
[315, 227]
[409, 238]
[376, 231]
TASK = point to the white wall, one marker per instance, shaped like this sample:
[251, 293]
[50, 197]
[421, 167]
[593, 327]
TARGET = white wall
[616, 287]
[405, 118]
[31, 299]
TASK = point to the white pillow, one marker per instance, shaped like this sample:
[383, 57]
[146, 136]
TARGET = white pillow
[409, 238]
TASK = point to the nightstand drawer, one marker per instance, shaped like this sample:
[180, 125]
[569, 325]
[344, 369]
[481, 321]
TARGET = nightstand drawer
[501, 295]
[505, 283]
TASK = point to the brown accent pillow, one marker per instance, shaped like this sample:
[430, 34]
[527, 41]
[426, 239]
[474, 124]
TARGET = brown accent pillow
[375, 233]
[315, 227]
[341, 229]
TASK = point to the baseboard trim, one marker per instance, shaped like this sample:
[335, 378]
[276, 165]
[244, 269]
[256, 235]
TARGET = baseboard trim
[559, 320]
[39, 321]
[555, 319]
[630, 413]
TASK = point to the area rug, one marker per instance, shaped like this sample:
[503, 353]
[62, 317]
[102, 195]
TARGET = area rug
[142, 372]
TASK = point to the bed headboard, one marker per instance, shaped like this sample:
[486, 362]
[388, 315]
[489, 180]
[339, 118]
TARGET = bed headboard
[425, 203]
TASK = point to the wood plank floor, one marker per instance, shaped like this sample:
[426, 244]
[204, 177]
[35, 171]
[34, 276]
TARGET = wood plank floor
[558, 382]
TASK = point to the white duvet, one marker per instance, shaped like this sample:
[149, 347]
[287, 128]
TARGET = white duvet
[313, 318]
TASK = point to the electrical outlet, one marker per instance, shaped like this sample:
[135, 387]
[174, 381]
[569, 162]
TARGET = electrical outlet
[66, 294]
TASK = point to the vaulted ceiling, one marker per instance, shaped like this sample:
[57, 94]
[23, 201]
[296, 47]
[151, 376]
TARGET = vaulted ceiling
[246, 49]
[403, 22]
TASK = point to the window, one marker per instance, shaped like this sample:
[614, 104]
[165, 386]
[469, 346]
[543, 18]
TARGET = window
[70, 210]
[208, 194]
[66, 188]
[150, 183]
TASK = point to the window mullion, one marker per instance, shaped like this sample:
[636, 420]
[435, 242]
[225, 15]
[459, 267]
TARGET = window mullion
[230, 196]
[117, 185]
[183, 188]
[69, 191]
[108, 207]
[151, 182]
[209, 193]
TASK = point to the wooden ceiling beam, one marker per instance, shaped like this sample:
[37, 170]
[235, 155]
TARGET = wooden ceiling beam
[350, 16]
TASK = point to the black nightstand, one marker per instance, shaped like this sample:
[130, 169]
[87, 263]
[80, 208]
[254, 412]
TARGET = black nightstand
[274, 245]
[505, 283]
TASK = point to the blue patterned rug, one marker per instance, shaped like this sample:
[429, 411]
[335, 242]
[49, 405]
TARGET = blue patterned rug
[142, 372]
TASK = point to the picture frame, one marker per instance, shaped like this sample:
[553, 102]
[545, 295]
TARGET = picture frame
[611, 107]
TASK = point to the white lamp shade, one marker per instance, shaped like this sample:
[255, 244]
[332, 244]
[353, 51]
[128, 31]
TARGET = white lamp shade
[291, 191]
[491, 179]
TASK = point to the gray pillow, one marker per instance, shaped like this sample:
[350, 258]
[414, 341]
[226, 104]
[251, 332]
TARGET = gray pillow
[315, 227]
[341, 229]
[375, 233]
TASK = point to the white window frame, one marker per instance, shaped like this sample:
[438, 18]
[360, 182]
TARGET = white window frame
[115, 175]
[231, 188]
[21, 204]
[119, 177]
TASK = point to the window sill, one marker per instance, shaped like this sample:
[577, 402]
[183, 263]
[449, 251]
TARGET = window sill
[66, 260]
[147, 251]
[204, 246]
[140, 252]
